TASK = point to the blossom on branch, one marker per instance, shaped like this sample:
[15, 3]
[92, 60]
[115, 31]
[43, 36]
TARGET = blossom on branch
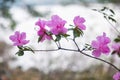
[116, 48]
[56, 25]
[43, 32]
[116, 76]
[101, 45]
[78, 21]
[19, 39]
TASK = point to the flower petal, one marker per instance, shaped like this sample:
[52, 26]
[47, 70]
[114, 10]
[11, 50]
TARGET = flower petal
[105, 49]
[22, 36]
[96, 53]
[13, 38]
[95, 44]
[116, 76]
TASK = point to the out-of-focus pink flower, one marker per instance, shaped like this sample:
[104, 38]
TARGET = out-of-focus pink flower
[78, 21]
[42, 32]
[41, 24]
[116, 47]
[56, 25]
[116, 76]
[101, 45]
[19, 39]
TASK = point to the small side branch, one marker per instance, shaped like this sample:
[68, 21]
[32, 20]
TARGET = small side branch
[46, 50]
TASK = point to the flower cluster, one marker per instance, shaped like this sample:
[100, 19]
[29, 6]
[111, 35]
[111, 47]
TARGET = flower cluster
[101, 45]
[56, 27]
[53, 27]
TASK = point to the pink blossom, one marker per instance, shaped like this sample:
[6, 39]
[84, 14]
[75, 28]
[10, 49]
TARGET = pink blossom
[78, 21]
[19, 39]
[116, 47]
[116, 76]
[41, 24]
[101, 45]
[57, 25]
[42, 32]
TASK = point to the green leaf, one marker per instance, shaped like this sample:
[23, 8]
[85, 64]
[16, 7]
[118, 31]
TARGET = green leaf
[110, 18]
[87, 44]
[70, 29]
[39, 39]
[88, 47]
[20, 47]
[26, 48]
[112, 11]
[117, 39]
[77, 32]
[118, 54]
[105, 17]
[103, 9]
[58, 38]
[20, 53]
[71, 25]
[105, 14]
[48, 33]
[81, 32]
[113, 52]
[65, 35]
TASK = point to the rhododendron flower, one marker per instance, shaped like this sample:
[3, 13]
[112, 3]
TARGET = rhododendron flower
[56, 25]
[116, 76]
[116, 47]
[42, 32]
[78, 21]
[19, 39]
[100, 45]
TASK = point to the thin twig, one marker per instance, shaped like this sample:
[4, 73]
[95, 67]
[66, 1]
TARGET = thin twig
[76, 44]
[95, 57]
[81, 53]
[68, 49]
[59, 44]
[100, 60]
[56, 44]
[46, 50]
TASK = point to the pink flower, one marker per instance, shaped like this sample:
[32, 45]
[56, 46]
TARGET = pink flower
[100, 45]
[19, 38]
[41, 24]
[57, 25]
[78, 21]
[116, 76]
[43, 31]
[116, 47]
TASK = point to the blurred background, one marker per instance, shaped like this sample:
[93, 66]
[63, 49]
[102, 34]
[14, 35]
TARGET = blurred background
[21, 15]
